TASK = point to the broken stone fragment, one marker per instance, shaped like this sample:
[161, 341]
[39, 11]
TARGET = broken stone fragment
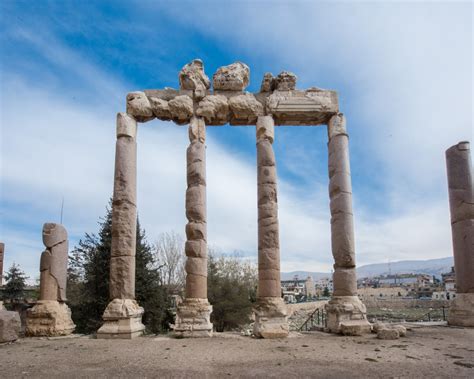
[160, 108]
[285, 81]
[388, 334]
[181, 109]
[10, 326]
[214, 109]
[245, 108]
[139, 106]
[193, 77]
[234, 77]
[268, 83]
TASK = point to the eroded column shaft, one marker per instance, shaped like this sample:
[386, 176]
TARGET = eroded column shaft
[196, 229]
[124, 211]
[461, 201]
[268, 232]
[340, 194]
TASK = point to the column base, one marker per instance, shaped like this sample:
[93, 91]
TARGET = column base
[193, 319]
[271, 318]
[122, 320]
[347, 315]
[49, 318]
[461, 311]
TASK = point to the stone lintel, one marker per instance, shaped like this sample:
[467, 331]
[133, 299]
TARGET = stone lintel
[309, 107]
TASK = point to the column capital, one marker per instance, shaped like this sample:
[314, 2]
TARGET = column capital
[126, 125]
[337, 125]
[265, 128]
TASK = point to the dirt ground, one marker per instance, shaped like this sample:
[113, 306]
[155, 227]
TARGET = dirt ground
[424, 352]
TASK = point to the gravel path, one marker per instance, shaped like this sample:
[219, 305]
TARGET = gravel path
[425, 352]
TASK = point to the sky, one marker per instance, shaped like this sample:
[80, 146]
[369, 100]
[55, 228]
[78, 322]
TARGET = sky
[403, 72]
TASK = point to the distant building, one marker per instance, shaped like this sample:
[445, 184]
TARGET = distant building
[368, 293]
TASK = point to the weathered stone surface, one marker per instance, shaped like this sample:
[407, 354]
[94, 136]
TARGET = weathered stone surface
[268, 83]
[271, 318]
[122, 317]
[461, 201]
[196, 249]
[196, 231]
[461, 311]
[139, 106]
[181, 109]
[53, 264]
[265, 128]
[197, 130]
[285, 81]
[196, 203]
[342, 309]
[196, 286]
[345, 282]
[160, 108]
[122, 320]
[126, 125]
[310, 107]
[214, 109]
[354, 328]
[10, 326]
[49, 318]
[193, 318]
[2, 253]
[378, 326]
[336, 125]
[245, 109]
[192, 77]
[388, 334]
[234, 77]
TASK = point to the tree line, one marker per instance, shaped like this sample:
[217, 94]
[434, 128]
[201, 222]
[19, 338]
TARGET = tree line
[160, 280]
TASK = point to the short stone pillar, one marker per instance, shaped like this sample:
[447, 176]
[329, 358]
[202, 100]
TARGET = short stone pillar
[193, 315]
[270, 311]
[10, 326]
[344, 307]
[122, 317]
[51, 316]
[461, 201]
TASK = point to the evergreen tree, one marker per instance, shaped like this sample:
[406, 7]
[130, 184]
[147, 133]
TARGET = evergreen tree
[88, 281]
[232, 291]
[326, 292]
[16, 283]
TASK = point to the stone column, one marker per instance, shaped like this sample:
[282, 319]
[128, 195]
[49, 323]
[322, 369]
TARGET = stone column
[122, 317]
[345, 312]
[2, 253]
[270, 311]
[51, 316]
[193, 315]
[461, 201]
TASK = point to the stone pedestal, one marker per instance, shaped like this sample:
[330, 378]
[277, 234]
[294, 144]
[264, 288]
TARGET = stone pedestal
[270, 311]
[461, 310]
[271, 318]
[122, 320]
[193, 318]
[122, 317]
[49, 318]
[345, 306]
[10, 326]
[347, 313]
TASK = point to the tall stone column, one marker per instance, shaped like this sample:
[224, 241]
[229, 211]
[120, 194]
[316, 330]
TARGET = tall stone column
[122, 317]
[461, 201]
[2, 253]
[51, 316]
[193, 315]
[270, 312]
[345, 312]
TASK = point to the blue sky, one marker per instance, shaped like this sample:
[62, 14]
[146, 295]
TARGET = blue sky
[403, 71]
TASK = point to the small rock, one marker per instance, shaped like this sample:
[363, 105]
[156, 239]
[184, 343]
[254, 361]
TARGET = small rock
[285, 81]
[388, 334]
[234, 77]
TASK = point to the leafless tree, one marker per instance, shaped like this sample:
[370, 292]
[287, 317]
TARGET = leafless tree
[170, 256]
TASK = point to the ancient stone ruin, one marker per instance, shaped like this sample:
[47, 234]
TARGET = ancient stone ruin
[461, 201]
[51, 316]
[195, 104]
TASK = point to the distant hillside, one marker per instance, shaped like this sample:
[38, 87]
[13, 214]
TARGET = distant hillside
[430, 266]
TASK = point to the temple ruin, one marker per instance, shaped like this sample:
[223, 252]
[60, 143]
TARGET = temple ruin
[277, 103]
